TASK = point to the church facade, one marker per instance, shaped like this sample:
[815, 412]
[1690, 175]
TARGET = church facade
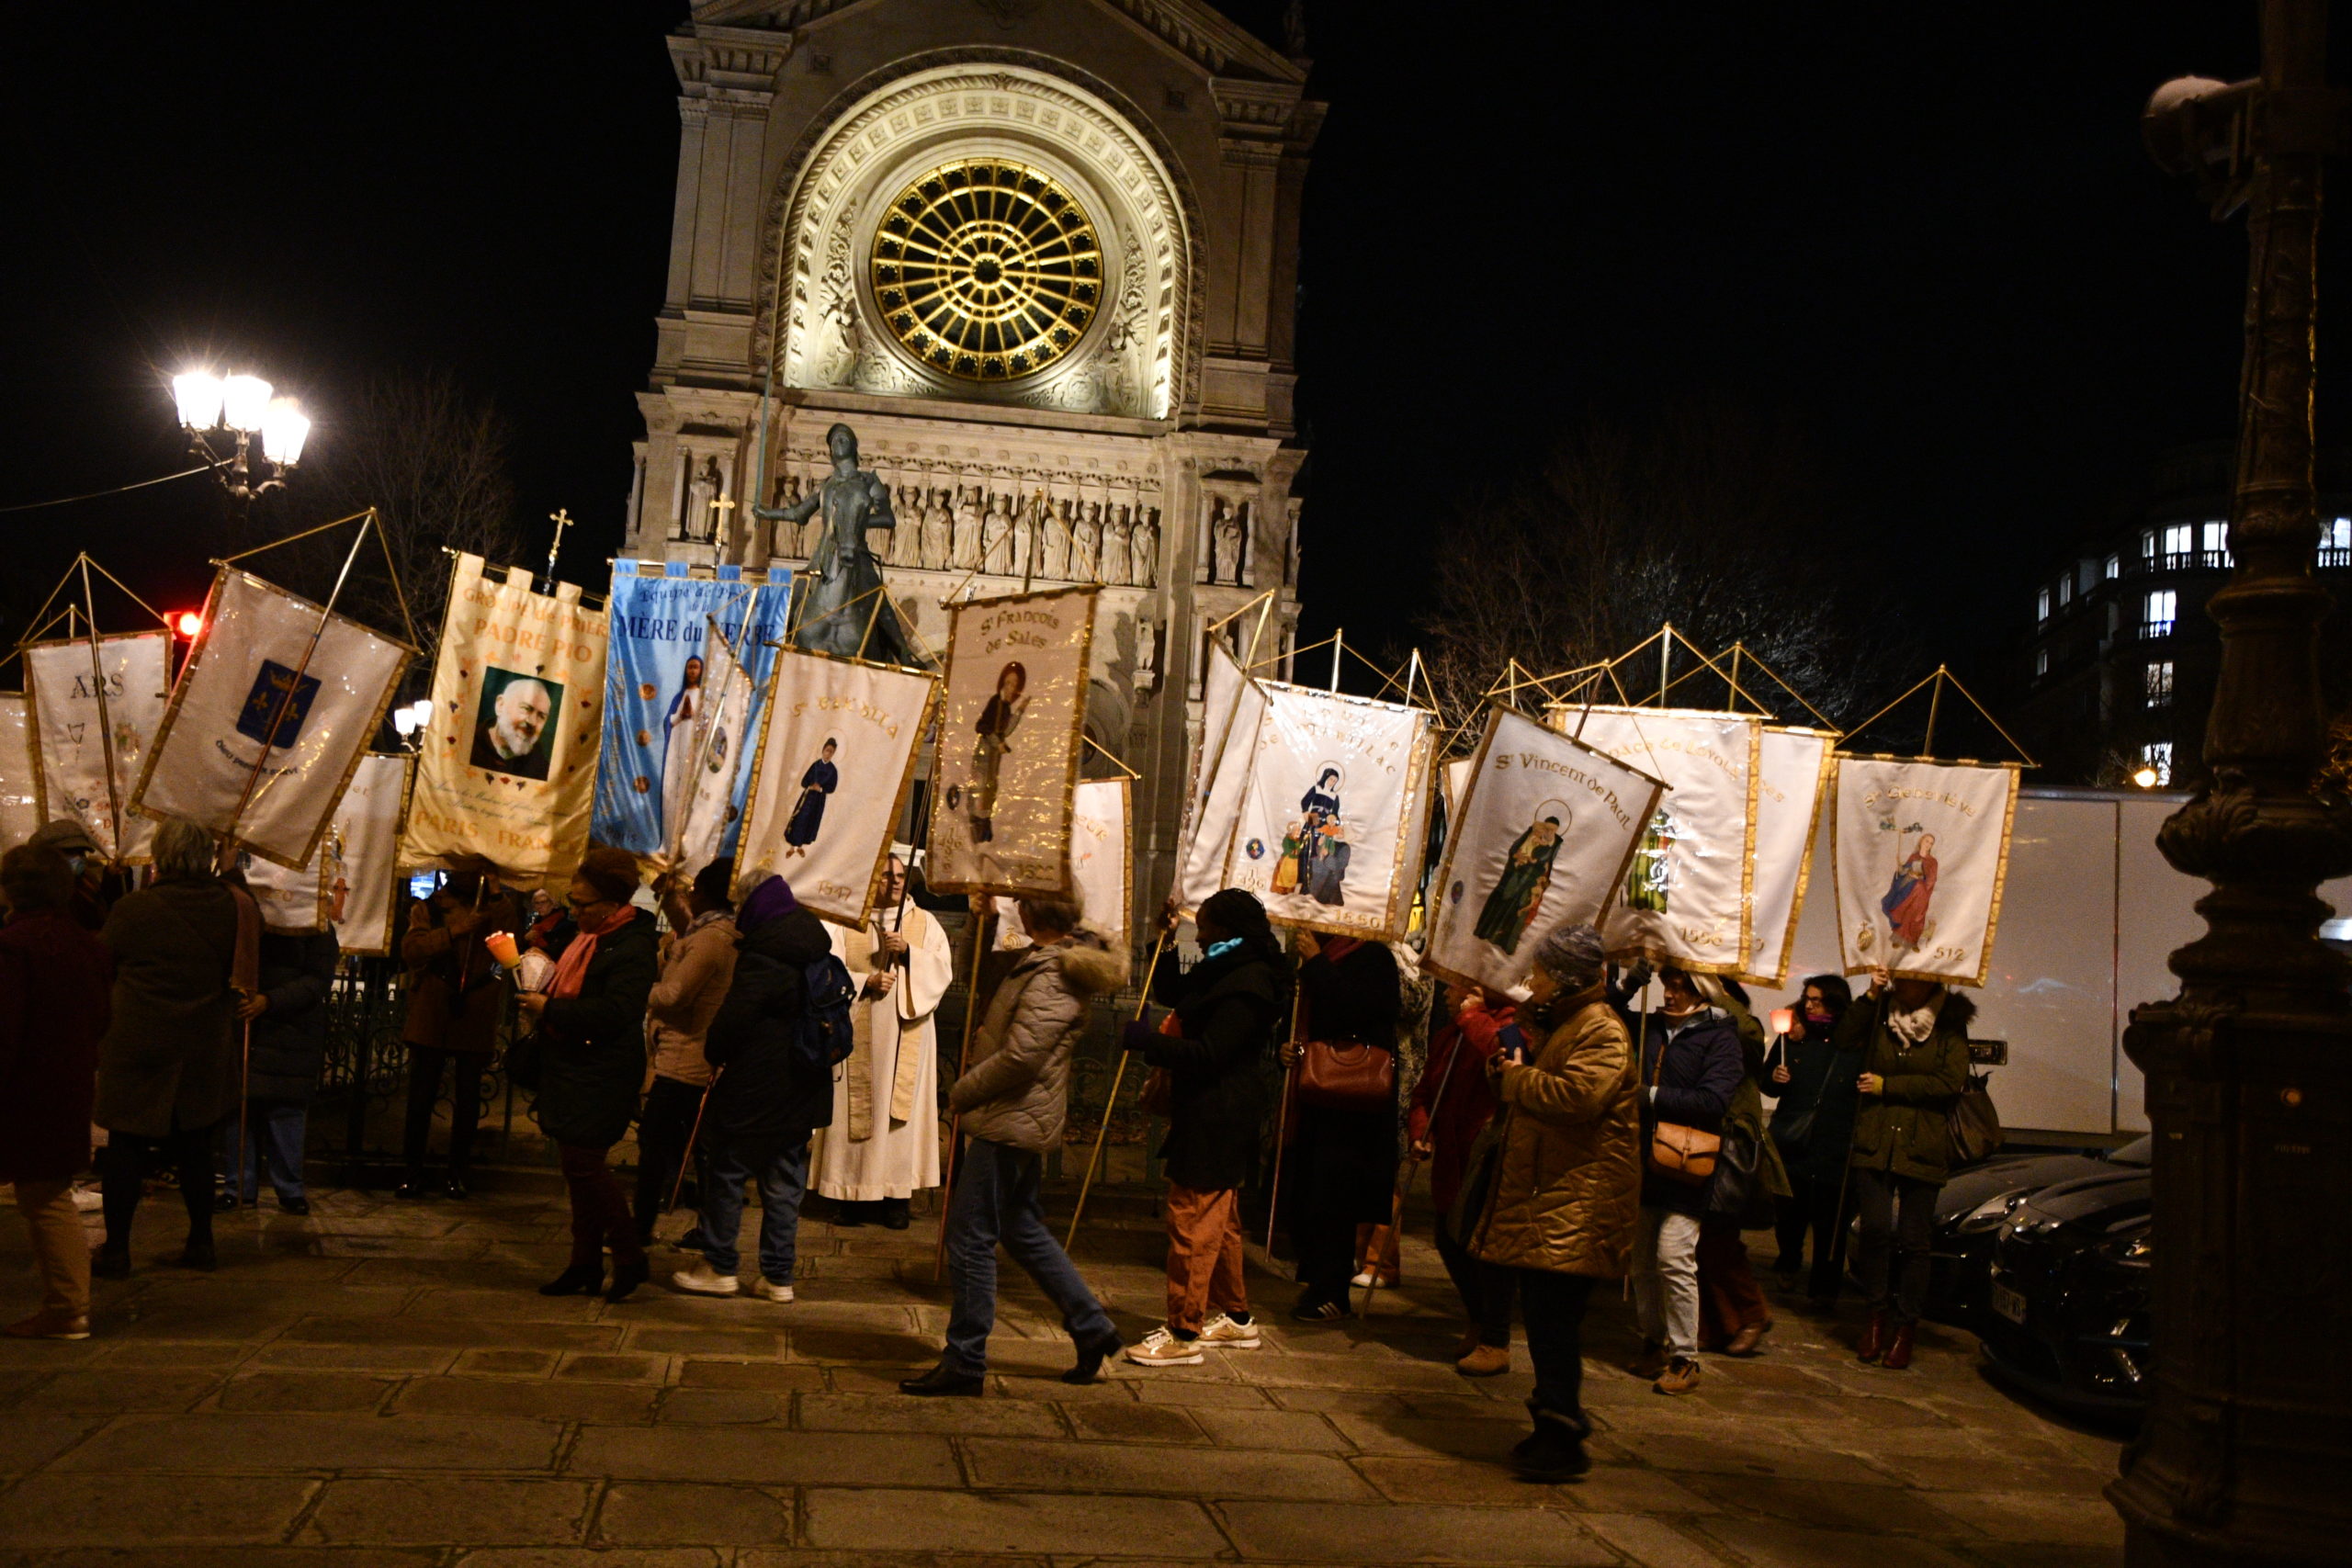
[1040, 255]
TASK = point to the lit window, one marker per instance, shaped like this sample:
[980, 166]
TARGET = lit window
[2217, 544]
[2041, 605]
[2041, 661]
[2156, 756]
[2179, 543]
[2335, 541]
[2114, 568]
[2147, 544]
[2159, 684]
[2163, 605]
[2066, 589]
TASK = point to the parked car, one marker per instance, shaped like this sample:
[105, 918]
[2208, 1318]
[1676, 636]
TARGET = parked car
[1969, 1212]
[2067, 1301]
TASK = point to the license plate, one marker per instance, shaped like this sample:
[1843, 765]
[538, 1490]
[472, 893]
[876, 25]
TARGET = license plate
[2009, 1304]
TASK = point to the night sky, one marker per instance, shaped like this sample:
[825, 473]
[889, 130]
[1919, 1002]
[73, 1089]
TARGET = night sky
[1929, 240]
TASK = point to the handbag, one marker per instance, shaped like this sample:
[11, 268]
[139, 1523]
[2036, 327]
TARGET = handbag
[1158, 1095]
[1975, 1125]
[1346, 1076]
[1679, 1153]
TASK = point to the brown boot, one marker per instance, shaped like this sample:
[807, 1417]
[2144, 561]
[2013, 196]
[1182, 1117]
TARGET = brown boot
[48, 1325]
[1650, 1362]
[1873, 1343]
[1469, 1342]
[1898, 1355]
[1485, 1361]
[1681, 1376]
[1748, 1340]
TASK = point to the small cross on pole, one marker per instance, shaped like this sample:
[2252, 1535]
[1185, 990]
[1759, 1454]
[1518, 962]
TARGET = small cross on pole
[562, 518]
[720, 505]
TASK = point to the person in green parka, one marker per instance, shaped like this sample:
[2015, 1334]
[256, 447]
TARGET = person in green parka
[1913, 1036]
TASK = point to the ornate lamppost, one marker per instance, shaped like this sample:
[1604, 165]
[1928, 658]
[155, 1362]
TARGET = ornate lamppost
[232, 411]
[2243, 1455]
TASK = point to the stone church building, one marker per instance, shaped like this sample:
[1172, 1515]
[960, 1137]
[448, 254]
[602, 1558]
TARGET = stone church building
[1041, 255]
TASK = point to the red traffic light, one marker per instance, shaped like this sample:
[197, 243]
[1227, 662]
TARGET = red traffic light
[187, 623]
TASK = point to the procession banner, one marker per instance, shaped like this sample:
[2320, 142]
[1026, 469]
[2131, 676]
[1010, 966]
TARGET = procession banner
[70, 743]
[1102, 868]
[1686, 900]
[722, 773]
[20, 812]
[1921, 850]
[656, 688]
[1211, 844]
[834, 763]
[507, 770]
[1332, 820]
[1793, 782]
[368, 825]
[295, 899]
[1544, 830]
[265, 727]
[1010, 739]
[1208, 828]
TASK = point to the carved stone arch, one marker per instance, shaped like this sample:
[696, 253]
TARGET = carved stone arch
[998, 92]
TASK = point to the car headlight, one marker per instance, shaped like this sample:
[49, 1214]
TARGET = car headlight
[2131, 1252]
[1993, 1210]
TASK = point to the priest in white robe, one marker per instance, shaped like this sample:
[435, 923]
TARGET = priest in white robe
[884, 1143]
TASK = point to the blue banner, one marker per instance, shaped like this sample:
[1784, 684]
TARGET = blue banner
[652, 684]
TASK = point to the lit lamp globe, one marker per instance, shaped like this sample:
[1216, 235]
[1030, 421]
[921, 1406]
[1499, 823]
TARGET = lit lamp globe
[198, 393]
[284, 429]
[2146, 778]
[404, 721]
[244, 402]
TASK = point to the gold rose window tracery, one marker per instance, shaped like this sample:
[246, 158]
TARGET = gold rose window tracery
[987, 269]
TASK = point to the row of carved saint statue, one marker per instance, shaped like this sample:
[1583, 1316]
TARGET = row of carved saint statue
[969, 529]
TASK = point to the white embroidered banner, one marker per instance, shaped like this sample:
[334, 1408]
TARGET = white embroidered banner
[1209, 812]
[1008, 741]
[1794, 769]
[266, 725]
[507, 770]
[1544, 830]
[1686, 898]
[1332, 819]
[722, 730]
[348, 883]
[1101, 868]
[1921, 851]
[73, 731]
[835, 759]
[19, 812]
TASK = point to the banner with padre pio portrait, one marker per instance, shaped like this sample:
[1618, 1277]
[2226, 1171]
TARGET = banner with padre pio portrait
[658, 687]
[1686, 900]
[84, 710]
[1794, 767]
[1921, 851]
[18, 813]
[277, 704]
[1009, 735]
[1544, 830]
[829, 778]
[507, 769]
[1334, 816]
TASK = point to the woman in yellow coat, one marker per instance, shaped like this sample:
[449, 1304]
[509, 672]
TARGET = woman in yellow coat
[1562, 1204]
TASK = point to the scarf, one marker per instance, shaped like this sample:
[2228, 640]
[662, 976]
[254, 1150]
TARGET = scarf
[572, 969]
[1911, 1028]
[771, 900]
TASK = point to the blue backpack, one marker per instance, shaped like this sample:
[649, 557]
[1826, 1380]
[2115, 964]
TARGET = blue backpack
[827, 1033]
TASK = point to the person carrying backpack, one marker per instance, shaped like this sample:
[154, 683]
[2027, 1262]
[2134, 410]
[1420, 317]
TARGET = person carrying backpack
[773, 1045]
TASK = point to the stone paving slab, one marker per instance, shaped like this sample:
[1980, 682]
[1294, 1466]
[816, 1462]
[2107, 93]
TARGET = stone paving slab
[397, 1395]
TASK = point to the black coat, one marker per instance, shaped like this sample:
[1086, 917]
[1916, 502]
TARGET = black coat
[764, 1101]
[290, 1036]
[1229, 1008]
[1822, 1079]
[1346, 1160]
[592, 1044]
[1696, 1073]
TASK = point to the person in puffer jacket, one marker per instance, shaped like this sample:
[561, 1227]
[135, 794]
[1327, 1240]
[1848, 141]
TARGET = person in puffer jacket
[1011, 1102]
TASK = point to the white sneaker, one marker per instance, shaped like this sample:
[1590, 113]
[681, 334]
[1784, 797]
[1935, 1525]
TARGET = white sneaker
[88, 1200]
[1225, 1333]
[1161, 1349]
[773, 1291]
[1362, 1282]
[704, 1281]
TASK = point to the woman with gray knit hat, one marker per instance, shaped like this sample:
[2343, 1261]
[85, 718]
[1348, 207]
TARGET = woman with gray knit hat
[1561, 1205]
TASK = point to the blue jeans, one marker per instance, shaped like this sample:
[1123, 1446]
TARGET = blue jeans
[784, 1181]
[996, 1200]
[276, 1128]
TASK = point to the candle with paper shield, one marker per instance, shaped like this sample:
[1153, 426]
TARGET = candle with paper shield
[1784, 1019]
[501, 947]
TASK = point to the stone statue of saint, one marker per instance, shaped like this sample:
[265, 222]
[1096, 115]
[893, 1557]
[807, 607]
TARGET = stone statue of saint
[966, 556]
[1008, 546]
[1143, 569]
[938, 526]
[1114, 545]
[1056, 562]
[848, 597]
[1086, 543]
[1224, 529]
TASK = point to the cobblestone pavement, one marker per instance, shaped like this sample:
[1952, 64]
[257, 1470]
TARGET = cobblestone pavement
[380, 1386]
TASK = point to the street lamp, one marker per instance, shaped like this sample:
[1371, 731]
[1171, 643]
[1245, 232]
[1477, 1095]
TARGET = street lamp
[412, 717]
[238, 408]
[2147, 778]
